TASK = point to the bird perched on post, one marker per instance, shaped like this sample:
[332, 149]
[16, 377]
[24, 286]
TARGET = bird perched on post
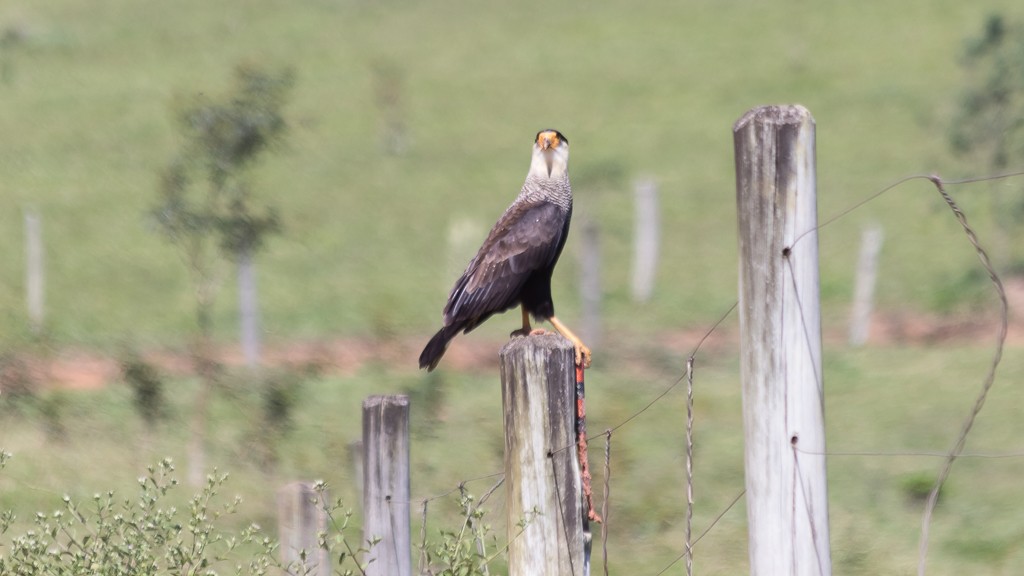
[514, 265]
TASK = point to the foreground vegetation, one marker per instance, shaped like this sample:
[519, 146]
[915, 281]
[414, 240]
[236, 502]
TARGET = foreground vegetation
[884, 400]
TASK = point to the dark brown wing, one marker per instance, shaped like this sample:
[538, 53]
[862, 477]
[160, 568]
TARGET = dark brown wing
[526, 239]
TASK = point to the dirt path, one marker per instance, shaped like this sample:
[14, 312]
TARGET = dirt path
[77, 368]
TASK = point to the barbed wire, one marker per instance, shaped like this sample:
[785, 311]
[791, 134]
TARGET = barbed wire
[986, 386]
[708, 529]
[689, 465]
[952, 455]
[910, 454]
[605, 497]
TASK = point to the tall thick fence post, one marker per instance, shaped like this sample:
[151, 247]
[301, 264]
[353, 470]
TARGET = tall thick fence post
[780, 346]
[542, 473]
[386, 485]
[301, 516]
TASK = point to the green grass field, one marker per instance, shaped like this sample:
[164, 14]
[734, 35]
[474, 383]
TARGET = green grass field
[640, 90]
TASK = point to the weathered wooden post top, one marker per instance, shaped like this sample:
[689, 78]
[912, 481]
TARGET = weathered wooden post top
[542, 473]
[386, 485]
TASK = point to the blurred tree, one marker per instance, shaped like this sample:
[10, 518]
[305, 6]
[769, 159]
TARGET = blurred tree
[388, 94]
[989, 125]
[147, 386]
[280, 393]
[19, 383]
[206, 210]
[12, 38]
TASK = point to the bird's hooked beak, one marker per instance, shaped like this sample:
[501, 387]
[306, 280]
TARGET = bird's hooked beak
[548, 140]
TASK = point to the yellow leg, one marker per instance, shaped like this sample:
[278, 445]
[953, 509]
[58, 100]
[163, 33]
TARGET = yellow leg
[526, 329]
[582, 352]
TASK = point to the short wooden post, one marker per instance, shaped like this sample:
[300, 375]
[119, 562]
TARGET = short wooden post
[542, 474]
[386, 485]
[34, 286]
[301, 516]
[646, 234]
[864, 286]
[780, 346]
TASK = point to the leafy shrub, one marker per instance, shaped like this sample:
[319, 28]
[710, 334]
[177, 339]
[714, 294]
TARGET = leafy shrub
[147, 387]
[470, 550]
[149, 535]
[144, 535]
[18, 381]
[917, 486]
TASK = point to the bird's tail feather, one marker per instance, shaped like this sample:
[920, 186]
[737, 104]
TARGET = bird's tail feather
[435, 349]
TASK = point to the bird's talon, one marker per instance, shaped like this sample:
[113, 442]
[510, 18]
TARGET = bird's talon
[538, 332]
[583, 356]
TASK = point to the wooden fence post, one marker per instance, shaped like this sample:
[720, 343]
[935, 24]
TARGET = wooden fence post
[780, 346]
[646, 235]
[386, 485]
[355, 460]
[34, 285]
[464, 236]
[590, 283]
[542, 473]
[248, 308]
[864, 287]
[301, 515]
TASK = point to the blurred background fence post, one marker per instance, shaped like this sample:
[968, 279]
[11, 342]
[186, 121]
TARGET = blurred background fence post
[355, 460]
[34, 276]
[645, 239]
[386, 485]
[248, 307]
[542, 474]
[464, 236]
[590, 283]
[780, 344]
[864, 286]
[301, 516]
